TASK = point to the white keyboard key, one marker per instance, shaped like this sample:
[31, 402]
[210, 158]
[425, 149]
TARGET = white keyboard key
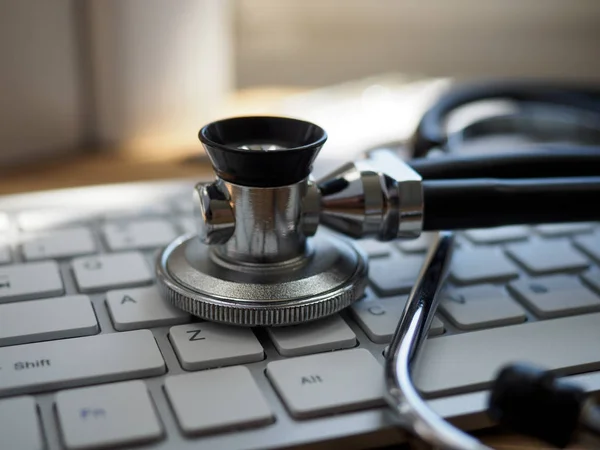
[481, 265]
[590, 245]
[4, 254]
[42, 320]
[498, 235]
[131, 309]
[379, 318]
[419, 245]
[485, 306]
[45, 366]
[564, 229]
[16, 282]
[217, 400]
[331, 333]
[592, 279]
[394, 275]
[138, 234]
[187, 225]
[206, 345]
[4, 222]
[58, 244]
[328, 383]
[184, 205]
[554, 296]
[52, 218]
[19, 425]
[113, 414]
[129, 212]
[470, 361]
[374, 248]
[547, 257]
[99, 272]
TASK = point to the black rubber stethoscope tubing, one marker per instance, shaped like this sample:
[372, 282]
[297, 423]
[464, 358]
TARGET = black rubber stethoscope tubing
[541, 183]
[493, 202]
[483, 191]
[551, 160]
[430, 132]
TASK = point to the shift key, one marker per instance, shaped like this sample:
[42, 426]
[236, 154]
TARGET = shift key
[73, 362]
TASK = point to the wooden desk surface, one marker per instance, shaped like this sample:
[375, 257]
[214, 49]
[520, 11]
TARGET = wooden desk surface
[93, 169]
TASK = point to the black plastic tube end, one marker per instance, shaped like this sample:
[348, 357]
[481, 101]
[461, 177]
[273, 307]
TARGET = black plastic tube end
[289, 147]
[529, 400]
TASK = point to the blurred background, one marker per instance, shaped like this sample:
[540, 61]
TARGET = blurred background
[134, 80]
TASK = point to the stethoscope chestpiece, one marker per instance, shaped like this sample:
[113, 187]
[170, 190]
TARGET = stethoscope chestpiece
[257, 259]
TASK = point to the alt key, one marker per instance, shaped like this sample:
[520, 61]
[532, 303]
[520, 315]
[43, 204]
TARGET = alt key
[321, 384]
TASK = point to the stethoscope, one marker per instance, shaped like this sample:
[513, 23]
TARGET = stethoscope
[273, 246]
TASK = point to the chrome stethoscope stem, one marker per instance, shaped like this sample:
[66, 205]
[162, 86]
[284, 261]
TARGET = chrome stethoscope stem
[410, 335]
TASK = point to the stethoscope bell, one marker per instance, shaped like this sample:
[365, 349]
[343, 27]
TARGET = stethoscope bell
[257, 259]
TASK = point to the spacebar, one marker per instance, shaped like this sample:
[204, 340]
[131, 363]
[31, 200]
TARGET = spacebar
[469, 362]
[75, 362]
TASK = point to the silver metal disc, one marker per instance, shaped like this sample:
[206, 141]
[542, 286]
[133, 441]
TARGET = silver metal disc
[332, 276]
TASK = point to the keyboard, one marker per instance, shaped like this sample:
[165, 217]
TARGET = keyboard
[92, 357]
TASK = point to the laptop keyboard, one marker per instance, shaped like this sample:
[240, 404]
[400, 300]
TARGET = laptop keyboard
[92, 357]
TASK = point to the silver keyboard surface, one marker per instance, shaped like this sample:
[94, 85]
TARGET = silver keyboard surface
[92, 357]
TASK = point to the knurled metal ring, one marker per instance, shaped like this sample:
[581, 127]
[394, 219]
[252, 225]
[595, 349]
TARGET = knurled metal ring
[341, 286]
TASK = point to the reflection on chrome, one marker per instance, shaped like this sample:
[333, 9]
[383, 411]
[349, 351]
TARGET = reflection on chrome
[262, 147]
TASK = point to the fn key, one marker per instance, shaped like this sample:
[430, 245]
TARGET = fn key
[100, 416]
